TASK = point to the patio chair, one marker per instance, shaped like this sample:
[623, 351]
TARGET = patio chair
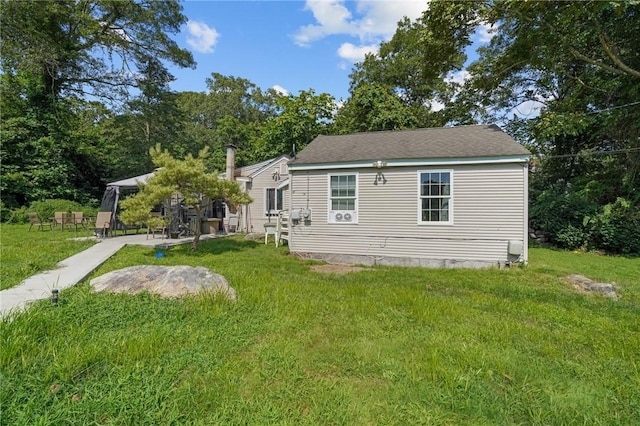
[232, 223]
[59, 219]
[282, 228]
[157, 223]
[34, 219]
[78, 220]
[102, 223]
[62, 219]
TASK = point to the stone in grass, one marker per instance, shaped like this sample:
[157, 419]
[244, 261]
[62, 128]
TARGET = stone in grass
[166, 281]
[582, 283]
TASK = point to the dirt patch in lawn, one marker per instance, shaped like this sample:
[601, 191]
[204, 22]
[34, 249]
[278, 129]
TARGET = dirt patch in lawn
[586, 285]
[334, 268]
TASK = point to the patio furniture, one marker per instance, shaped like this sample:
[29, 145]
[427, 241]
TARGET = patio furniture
[232, 223]
[78, 220]
[157, 223]
[102, 223]
[121, 226]
[61, 219]
[270, 229]
[34, 219]
[282, 227]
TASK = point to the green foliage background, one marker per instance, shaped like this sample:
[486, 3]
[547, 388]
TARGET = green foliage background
[578, 61]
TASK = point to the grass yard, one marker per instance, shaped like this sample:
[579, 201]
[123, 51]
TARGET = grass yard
[24, 253]
[388, 346]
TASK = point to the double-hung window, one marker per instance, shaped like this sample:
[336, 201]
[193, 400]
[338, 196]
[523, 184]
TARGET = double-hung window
[435, 203]
[273, 201]
[343, 198]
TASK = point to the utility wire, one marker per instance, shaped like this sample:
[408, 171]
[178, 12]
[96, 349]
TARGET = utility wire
[615, 151]
[612, 108]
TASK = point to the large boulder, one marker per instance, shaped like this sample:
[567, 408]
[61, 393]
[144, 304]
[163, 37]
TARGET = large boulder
[167, 281]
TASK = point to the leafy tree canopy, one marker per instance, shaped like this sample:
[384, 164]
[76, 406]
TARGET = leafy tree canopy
[88, 46]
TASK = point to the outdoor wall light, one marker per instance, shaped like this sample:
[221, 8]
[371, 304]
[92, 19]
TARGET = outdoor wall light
[380, 164]
[380, 178]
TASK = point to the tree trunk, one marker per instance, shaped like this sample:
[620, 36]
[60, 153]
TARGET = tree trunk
[197, 231]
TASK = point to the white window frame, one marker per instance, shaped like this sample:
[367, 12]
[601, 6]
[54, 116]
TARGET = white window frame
[330, 212]
[273, 212]
[450, 197]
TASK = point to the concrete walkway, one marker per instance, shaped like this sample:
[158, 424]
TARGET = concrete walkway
[74, 269]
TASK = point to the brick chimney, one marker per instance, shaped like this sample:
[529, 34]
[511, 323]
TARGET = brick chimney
[231, 162]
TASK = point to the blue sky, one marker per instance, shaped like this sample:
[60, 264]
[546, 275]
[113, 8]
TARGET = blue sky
[290, 45]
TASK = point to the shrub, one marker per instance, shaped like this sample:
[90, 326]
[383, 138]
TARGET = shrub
[572, 237]
[47, 208]
[5, 212]
[616, 229]
[19, 215]
[560, 214]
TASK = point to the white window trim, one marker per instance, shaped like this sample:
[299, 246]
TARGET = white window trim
[451, 198]
[275, 211]
[357, 197]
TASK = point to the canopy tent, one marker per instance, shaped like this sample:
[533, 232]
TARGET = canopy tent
[173, 208]
[111, 195]
[133, 182]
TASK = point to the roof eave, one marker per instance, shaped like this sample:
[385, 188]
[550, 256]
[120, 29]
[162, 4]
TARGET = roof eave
[413, 162]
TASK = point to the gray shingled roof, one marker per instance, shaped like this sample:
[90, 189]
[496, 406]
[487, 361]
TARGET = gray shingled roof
[441, 142]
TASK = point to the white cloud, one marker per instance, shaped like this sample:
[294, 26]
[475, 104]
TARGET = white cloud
[374, 21]
[355, 53]
[436, 106]
[202, 38]
[458, 77]
[281, 90]
[486, 32]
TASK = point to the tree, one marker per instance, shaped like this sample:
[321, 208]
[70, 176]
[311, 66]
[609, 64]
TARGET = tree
[579, 62]
[151, 117]
[300, 119]
[88, 46]
[418, 63]
[373, 107]
[188, 178]
[54, 55]
[231, 112]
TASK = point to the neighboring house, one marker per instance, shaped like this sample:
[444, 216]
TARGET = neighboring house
[267, 184]
[438, 197]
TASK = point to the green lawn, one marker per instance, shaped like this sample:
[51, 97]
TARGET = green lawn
[24, 253]
[383, 346]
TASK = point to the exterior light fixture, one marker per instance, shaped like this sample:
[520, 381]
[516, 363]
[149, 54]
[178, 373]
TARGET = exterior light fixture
[380, 164]
[54, 296]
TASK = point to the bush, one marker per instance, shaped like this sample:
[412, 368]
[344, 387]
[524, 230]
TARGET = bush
[560, 214]
[616, 229]
[47, 208]
[572, 237]
[5, 212]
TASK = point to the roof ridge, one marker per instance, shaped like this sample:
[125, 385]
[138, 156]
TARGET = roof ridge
[417, 129]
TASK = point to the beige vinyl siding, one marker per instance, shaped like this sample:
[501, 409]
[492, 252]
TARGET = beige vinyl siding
[257, 191]
[488, 209]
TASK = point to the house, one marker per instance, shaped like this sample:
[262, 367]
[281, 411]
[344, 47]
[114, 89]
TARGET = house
[267, 184]
[437, 197]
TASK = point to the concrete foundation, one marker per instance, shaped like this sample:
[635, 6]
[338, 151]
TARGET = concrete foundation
[399, 261]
